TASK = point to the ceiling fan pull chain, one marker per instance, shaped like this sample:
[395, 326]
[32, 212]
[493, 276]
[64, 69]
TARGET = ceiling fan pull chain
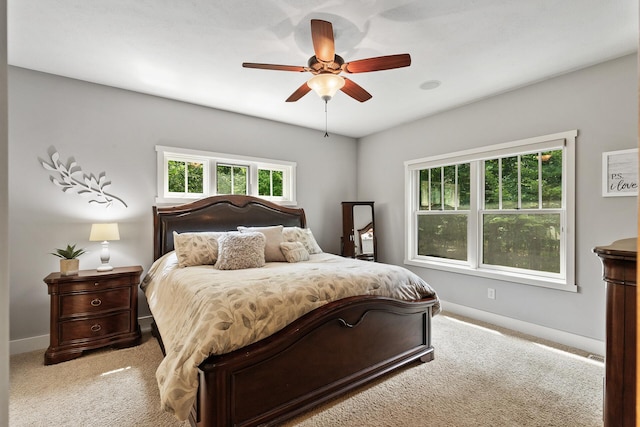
[326, 132]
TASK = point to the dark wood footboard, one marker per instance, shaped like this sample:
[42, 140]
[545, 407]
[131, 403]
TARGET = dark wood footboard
[327, 352]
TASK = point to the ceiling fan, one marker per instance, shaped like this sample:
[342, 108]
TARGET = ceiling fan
[326, 66]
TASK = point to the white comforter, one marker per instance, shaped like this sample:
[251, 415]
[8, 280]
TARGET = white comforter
[202, 311]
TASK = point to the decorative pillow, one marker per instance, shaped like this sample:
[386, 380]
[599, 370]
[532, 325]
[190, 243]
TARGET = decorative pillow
[196, 248]
[272, 252]
[240, 250]
[304, 236]
[294, 251]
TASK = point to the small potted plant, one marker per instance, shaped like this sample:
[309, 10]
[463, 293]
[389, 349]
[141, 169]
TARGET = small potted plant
[69, 262]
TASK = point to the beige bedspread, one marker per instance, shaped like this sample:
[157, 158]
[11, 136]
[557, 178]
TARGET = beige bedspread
[202, 311]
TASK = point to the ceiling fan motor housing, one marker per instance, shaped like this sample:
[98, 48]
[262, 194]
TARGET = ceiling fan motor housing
[317, 66]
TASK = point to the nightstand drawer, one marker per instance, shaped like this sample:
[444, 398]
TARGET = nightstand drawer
[89, 329]
[75, 305]
[97, 284]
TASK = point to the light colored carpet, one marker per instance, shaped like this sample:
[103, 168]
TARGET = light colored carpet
[481, 377]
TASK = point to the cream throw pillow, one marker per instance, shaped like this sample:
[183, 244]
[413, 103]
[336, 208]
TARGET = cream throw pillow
[273, 235]
[196, 248]
[294, 251]
[304, 236]
[237, 251]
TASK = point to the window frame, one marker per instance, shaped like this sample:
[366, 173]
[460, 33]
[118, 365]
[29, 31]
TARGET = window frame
[211, 160]
[565, 280]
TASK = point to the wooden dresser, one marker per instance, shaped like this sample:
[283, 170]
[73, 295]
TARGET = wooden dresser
[619, 266]
[92, 309]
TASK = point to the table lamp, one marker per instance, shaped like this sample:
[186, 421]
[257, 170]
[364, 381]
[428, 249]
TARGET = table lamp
[103, 233]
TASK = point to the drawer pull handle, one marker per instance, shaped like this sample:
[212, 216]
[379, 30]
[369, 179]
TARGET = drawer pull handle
[96, 327]
[96, 284]
[96, 302]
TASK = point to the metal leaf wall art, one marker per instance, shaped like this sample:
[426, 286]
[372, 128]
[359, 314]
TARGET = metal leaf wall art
[73, 179]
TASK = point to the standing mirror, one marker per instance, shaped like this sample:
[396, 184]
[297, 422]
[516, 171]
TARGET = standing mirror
[358, 236]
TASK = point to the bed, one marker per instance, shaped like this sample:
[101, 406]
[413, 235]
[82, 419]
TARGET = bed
[329, 350]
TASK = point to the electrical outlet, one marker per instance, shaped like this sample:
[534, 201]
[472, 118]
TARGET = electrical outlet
[491, 293]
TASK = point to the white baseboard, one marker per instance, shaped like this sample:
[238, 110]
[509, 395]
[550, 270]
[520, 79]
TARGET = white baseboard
[590, 345]
[27, 345]
[145, 323]
[40, 343]
[583, 343]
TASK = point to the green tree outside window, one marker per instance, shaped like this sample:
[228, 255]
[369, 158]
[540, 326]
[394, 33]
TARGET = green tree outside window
[185, 177]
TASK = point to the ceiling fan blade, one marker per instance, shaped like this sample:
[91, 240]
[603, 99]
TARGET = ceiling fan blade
[299, 93]
[322, 36]
[355, 91]
[378, 63]
[273, 67]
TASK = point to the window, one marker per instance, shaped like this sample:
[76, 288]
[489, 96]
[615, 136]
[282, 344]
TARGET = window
[505, 211]
[185, 176]
[444, 201]
[190, 174]
[231, 179]
[270, 182]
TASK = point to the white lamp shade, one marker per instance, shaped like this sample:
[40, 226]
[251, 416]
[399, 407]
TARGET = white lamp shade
[104, 232]
[326, 85]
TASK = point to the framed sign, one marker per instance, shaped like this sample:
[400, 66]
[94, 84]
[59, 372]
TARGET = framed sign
[620, 173]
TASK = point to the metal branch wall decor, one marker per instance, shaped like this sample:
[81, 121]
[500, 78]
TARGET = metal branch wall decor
[73, 179]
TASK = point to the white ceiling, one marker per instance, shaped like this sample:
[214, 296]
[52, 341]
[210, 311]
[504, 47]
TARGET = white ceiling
[192, 50]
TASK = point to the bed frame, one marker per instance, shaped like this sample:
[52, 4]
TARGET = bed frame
[325, 353]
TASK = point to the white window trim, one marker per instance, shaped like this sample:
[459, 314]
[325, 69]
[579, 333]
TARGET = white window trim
[211, 159]
[565, 281]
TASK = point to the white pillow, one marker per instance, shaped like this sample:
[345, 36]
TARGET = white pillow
[196, 248]
[294, 251]
[240, 250]
[304, 236]
[273, 234]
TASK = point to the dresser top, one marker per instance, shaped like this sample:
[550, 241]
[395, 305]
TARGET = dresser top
[622, 248]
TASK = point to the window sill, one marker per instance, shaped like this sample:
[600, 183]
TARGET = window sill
[523, 279]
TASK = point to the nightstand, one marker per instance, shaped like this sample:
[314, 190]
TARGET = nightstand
[91, 310]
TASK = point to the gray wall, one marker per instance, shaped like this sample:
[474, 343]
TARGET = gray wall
[601, 102]
[115, 131]
[4, 219]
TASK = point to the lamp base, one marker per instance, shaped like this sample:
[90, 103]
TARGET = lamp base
[104, 257]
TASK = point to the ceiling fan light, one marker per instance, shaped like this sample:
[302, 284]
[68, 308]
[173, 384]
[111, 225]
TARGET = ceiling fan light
[326, 85]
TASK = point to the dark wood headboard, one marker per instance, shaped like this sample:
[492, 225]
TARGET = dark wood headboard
[218, 213]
